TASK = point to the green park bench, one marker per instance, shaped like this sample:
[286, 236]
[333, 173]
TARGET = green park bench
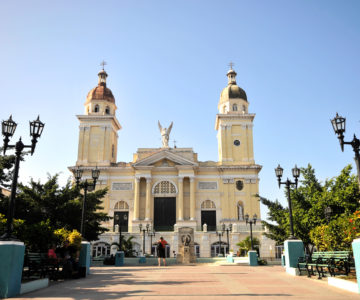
[336, 262]
[39, 265]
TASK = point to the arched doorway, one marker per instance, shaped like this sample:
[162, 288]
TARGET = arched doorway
[208, 215]
[121, 216]
[164, 205]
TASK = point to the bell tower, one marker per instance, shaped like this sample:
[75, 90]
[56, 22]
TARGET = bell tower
[98, 126]
[234, 125]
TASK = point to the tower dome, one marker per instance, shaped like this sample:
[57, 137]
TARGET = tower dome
[232, 90]
[100, 100]
[101, 92]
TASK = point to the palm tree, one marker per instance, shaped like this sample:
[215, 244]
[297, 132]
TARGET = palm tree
[245, 244]
[126, 245]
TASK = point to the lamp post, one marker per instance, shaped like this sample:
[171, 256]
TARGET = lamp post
[296, 173]
[328, 212]
[220, 234]
[338, 124]
[146, 229]
[8, 130]
[227, 229]
[117, 218]
[251, 222]
[151, 234]
[87, 186]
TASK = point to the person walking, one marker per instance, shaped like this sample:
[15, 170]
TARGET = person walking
[161, 250]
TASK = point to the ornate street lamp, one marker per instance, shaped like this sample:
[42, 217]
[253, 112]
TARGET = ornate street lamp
[8, 129]
[251, 222]
[220, 234]
[296, 174]
[227, 229]
[151, 234]
[338, 124]
[117, 218]
[146, 229]
[87, 186]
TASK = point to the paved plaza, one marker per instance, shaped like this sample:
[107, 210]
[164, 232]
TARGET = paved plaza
[191, 282]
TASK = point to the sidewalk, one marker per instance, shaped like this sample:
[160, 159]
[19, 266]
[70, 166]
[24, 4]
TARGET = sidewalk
[191, 282]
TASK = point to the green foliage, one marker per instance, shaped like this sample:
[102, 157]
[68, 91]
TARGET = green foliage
[45, 208]
[309, 201]
[6, 164]
[246, 244]
[126, 246]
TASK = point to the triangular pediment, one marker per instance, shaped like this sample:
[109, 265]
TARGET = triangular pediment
[165, 158]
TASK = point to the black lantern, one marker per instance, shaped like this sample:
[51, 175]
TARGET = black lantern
[36, 129]
[328, 212]
[338, 124]
[8, 127]
[95, 173]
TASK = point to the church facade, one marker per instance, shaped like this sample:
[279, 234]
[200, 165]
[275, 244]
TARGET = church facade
[166, 188]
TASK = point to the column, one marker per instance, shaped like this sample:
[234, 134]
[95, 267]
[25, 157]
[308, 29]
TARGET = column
[137, 199]
[181, 198]
[192, 198]
[229, 142]
[148, 199]
[223, 143]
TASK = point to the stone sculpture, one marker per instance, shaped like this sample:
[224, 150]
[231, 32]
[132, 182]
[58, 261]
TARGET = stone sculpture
[165, 134]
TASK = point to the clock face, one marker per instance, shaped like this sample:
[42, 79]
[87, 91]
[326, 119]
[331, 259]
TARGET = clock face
[237, 143]
[239, 185]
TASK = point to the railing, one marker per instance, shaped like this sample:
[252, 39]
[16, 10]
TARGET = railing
[211, 229]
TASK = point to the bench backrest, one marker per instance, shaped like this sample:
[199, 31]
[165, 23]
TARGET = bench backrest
[332, 254]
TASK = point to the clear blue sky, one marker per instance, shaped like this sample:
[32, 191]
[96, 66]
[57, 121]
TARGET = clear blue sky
[298, 62]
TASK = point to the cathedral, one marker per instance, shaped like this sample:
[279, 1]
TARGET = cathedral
[164, 189]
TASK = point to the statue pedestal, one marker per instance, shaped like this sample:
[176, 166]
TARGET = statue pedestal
[186, 250]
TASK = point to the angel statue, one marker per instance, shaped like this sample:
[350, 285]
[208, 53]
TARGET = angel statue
[165, 133]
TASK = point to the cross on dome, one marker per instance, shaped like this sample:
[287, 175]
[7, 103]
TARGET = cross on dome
[103, 64]
[231, 64]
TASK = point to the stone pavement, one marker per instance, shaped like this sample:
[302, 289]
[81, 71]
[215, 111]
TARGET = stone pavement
[191, 282]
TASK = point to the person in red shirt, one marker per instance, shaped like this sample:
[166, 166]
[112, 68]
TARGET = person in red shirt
[161, 250]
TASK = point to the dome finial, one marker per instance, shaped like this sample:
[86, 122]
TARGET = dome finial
[231, 64]
[231, 74]
[103, 64]
[102, 74]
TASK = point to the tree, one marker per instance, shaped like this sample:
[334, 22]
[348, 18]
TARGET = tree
[47, 207]
[309, 201]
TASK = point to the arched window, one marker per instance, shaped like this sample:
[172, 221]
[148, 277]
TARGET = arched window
[244, 109]
[224, 109]
[240, 211]
[101, 249]
[96, 109]
[112, 151]
[107, 110]
[164, 188]
[208, 205]
[234, 107]
[218, 249]
[121, 205]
